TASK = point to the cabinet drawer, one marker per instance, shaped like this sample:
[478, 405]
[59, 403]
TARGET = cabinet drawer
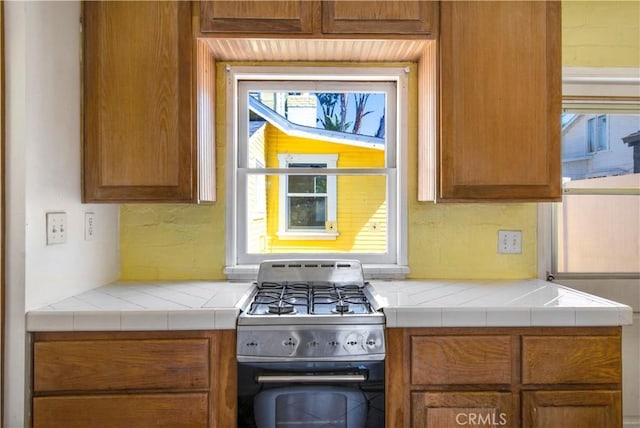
[571, 360]
[93, 365]
[447, 360]
[116, 411]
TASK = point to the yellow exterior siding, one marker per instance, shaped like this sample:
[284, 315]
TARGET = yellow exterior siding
[361, 200]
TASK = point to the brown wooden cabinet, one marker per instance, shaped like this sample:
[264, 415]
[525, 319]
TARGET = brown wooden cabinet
[250, 17]
[401, 17]
[140, 139]
[450, 409]
[515, 377]
[500, 101]
[320, 18]
[550, 409]
[178, 379]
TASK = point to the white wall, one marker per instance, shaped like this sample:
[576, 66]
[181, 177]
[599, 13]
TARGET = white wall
[43, 90]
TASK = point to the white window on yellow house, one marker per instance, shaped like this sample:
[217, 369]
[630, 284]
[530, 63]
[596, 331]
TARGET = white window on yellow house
[307, 202]
[320, 152]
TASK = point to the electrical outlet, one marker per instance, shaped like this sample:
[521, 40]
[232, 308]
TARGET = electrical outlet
[56, 228]
[510, 241]
[89, 226]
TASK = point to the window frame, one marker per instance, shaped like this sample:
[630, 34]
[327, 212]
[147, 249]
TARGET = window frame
[393, 263]
[600, 91]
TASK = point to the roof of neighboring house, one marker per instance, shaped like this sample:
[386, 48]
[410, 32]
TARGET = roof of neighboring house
[296, 130]
[255, 125]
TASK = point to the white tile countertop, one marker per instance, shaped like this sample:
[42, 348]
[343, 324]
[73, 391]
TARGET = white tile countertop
[184, 305]
[494, 303]
[197, 305]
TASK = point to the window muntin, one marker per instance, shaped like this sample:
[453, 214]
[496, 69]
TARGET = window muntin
[253, 243]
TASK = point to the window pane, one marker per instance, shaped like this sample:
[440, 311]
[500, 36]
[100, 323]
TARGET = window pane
[603, 144]
[599, 233]
[307, 212]
[351, 124]
[591, 136]
[302, 183]
[307, 184]
[613, 154]
[596, 231]
[354, 221]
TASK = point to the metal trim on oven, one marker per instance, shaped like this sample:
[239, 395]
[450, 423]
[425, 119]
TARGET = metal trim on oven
[315, 378]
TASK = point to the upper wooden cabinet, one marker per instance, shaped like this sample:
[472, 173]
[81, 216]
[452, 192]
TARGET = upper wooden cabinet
[222, 16]
[319, 18]
[500, 101]
[140, 141]
[378, 17]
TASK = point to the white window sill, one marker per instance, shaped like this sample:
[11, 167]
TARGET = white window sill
[308, 236]
[371, 271]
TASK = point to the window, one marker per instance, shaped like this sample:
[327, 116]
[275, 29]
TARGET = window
[308, 201]
[597, 225]
[595, 230]
[321, 152]
[597, 134]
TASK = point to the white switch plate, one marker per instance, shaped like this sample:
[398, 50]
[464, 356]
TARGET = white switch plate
[56, 228]
[89, 226]
[510, 241]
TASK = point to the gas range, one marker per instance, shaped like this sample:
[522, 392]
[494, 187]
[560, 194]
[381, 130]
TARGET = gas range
[311, 310]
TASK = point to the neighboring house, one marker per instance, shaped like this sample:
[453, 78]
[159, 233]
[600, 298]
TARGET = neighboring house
[313, 213]
[592, 145]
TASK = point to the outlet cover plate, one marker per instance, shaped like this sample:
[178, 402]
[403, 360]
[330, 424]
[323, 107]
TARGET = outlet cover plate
[510, 241]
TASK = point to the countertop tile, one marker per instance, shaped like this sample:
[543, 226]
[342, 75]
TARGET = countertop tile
[144, 320]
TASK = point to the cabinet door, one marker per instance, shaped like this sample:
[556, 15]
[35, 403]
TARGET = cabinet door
[551, 409]
[500, 92]
[380, 17]
[451, 409]
[250, 17]
[138, 130]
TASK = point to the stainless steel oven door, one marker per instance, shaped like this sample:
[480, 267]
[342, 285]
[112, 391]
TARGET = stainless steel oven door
[337, 394]
[310, 406]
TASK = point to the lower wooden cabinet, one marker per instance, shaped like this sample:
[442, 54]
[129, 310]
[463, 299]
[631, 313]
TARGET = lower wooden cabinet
[504, 377]
[550, 409]
[450, 409]
[134, 379]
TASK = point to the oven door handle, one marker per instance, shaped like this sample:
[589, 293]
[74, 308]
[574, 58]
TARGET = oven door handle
[312, 378]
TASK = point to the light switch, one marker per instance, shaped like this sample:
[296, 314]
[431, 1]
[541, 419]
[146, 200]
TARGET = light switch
[56, 228]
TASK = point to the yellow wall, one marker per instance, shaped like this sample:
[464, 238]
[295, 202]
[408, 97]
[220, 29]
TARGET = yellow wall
[445, 240]
[601, 33]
